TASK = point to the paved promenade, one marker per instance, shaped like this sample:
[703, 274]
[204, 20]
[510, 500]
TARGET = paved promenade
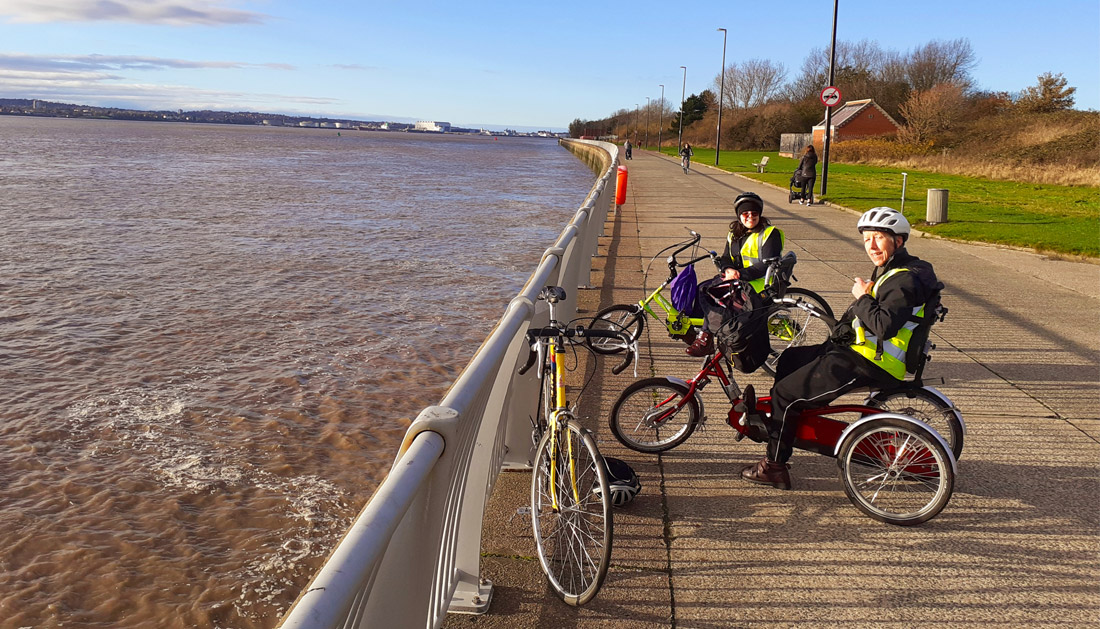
[1019, 543]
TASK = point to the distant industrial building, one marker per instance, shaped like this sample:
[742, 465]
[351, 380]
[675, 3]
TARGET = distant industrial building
[432, 126]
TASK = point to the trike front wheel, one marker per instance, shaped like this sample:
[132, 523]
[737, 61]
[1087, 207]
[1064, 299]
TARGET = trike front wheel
[571, 512]
[896, 471]
[654, 415]
[618, 318]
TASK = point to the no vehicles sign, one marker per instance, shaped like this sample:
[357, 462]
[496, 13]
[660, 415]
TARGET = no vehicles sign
[830, 96]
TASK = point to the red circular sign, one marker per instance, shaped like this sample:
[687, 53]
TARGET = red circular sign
[830, 96]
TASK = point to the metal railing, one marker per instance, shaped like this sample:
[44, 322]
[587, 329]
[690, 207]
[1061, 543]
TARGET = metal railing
[414, 553]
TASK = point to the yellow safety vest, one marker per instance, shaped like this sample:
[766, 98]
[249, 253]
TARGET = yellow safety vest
[892, 358]
[750, 251]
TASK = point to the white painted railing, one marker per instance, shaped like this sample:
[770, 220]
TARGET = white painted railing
[413, 553]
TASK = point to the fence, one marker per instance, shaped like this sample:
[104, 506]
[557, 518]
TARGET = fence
[791, 144]
[413, 554]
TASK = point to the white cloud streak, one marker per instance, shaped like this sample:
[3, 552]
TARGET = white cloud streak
[167, 12]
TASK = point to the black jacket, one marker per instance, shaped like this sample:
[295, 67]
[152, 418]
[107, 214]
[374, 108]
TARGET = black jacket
[884, 314]
[807, 166]
[770, 248]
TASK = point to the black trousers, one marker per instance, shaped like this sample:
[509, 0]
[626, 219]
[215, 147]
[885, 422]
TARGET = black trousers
[808, 188]
[811, 377]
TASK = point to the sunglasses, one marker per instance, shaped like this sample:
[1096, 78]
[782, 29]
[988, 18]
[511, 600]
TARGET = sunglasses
[750, 212]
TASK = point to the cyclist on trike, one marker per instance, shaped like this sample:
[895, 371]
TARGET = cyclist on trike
[869, 347]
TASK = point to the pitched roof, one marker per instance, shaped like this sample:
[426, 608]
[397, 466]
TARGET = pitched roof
[851, 109]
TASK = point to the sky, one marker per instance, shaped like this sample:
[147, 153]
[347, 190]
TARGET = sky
[491, 64]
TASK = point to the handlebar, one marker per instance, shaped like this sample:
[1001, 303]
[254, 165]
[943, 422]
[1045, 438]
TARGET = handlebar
[814, 311]
[579, 332]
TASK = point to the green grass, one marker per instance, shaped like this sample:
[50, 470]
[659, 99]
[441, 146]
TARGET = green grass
[1062, 219]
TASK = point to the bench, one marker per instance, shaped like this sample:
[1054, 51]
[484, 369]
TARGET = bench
[761, 164]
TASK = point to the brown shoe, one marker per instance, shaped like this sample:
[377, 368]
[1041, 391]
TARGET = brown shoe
[767, 472]
[703, 345]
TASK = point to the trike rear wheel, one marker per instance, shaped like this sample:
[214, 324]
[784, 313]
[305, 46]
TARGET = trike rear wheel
[927, 407]
[896, 471]
[654, 415]
[789, 326]
[618, 318]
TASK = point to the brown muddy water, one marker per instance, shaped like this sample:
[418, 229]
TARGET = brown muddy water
[213, 337]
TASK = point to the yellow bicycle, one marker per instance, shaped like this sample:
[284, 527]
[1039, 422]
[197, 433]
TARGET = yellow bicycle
[570, 496]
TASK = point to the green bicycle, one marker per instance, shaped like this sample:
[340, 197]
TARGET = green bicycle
[787, 326]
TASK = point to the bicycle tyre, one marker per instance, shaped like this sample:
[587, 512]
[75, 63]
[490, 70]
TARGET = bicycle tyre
[793, 327]
[927, 407]
[574, 540]
[619, 318]
[649, 400]
[896, 471]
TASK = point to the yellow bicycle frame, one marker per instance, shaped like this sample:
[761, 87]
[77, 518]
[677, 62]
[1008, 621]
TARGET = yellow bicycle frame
[557, 368]
[674, 320]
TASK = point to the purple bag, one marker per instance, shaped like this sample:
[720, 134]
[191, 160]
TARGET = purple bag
[685, 288]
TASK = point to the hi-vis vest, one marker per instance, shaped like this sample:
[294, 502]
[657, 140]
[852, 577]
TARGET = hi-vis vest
[750, 251]
[892, 356]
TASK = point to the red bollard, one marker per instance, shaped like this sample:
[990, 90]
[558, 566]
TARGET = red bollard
[620, 187]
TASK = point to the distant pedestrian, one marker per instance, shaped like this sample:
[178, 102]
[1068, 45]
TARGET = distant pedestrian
[807, 169]
[628, 149]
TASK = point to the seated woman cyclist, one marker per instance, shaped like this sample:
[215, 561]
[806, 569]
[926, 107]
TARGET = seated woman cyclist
[751, 240]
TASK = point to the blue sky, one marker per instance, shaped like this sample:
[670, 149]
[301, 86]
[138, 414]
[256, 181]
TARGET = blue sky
[489, 63]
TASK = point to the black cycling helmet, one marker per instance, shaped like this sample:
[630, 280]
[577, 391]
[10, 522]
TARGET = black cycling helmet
[622, 482]
[748, 197]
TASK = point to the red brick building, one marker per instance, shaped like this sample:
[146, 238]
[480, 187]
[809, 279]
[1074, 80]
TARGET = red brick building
[856, 119]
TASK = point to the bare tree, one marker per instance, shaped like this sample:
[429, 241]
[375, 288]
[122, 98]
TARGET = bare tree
[752, 83]
[931, 112]
[1050, 94]
[941, 62]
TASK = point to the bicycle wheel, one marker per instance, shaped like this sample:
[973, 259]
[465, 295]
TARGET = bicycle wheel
[926, 406]
[789, 326]
[896, 471]
[619, 318]
[573, 539]
[654, 415]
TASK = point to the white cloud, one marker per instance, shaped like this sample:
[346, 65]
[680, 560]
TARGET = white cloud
[170, 12]
[84, 63]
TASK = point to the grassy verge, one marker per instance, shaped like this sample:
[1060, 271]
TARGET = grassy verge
[1062, 219]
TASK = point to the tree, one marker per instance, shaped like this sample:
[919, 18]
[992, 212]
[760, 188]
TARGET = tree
[931, 112]
[940, 62]
[752, 83]
[694, 107]
[1050, 94]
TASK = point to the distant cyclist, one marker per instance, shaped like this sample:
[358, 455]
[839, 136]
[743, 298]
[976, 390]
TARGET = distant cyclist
[629, 149]
[685, 157]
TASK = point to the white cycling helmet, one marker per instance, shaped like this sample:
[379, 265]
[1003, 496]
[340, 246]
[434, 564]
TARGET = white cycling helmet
[622, 482]
[884, 219]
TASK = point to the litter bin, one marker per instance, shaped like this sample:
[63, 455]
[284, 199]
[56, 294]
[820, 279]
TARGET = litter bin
[937, 206]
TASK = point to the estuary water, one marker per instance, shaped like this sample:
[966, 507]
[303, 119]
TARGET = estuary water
[212, 339]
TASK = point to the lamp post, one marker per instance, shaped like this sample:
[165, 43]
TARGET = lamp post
[721, 97]
[683, 92]
[660, 117]
[636, 108]
[828, 112]
[647, 122]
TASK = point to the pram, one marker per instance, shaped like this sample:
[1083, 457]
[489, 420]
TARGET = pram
[796, 189]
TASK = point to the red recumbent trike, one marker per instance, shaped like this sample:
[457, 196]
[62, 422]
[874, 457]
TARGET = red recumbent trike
[895, 467]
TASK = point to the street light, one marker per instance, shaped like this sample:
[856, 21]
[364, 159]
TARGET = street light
[636, 108]
[683, 92]
[721, 97]
[646, 123]
[660, 117]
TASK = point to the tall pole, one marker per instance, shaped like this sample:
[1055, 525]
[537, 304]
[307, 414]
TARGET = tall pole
[647, 122]
[636, 108]
[660, 117]
[828, 112]
[721, 97]
[683, 92]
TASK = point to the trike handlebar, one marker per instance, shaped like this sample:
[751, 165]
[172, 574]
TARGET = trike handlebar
[578, 332]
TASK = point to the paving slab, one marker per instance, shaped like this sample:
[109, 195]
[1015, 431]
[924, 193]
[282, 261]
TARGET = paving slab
[1019, 543]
